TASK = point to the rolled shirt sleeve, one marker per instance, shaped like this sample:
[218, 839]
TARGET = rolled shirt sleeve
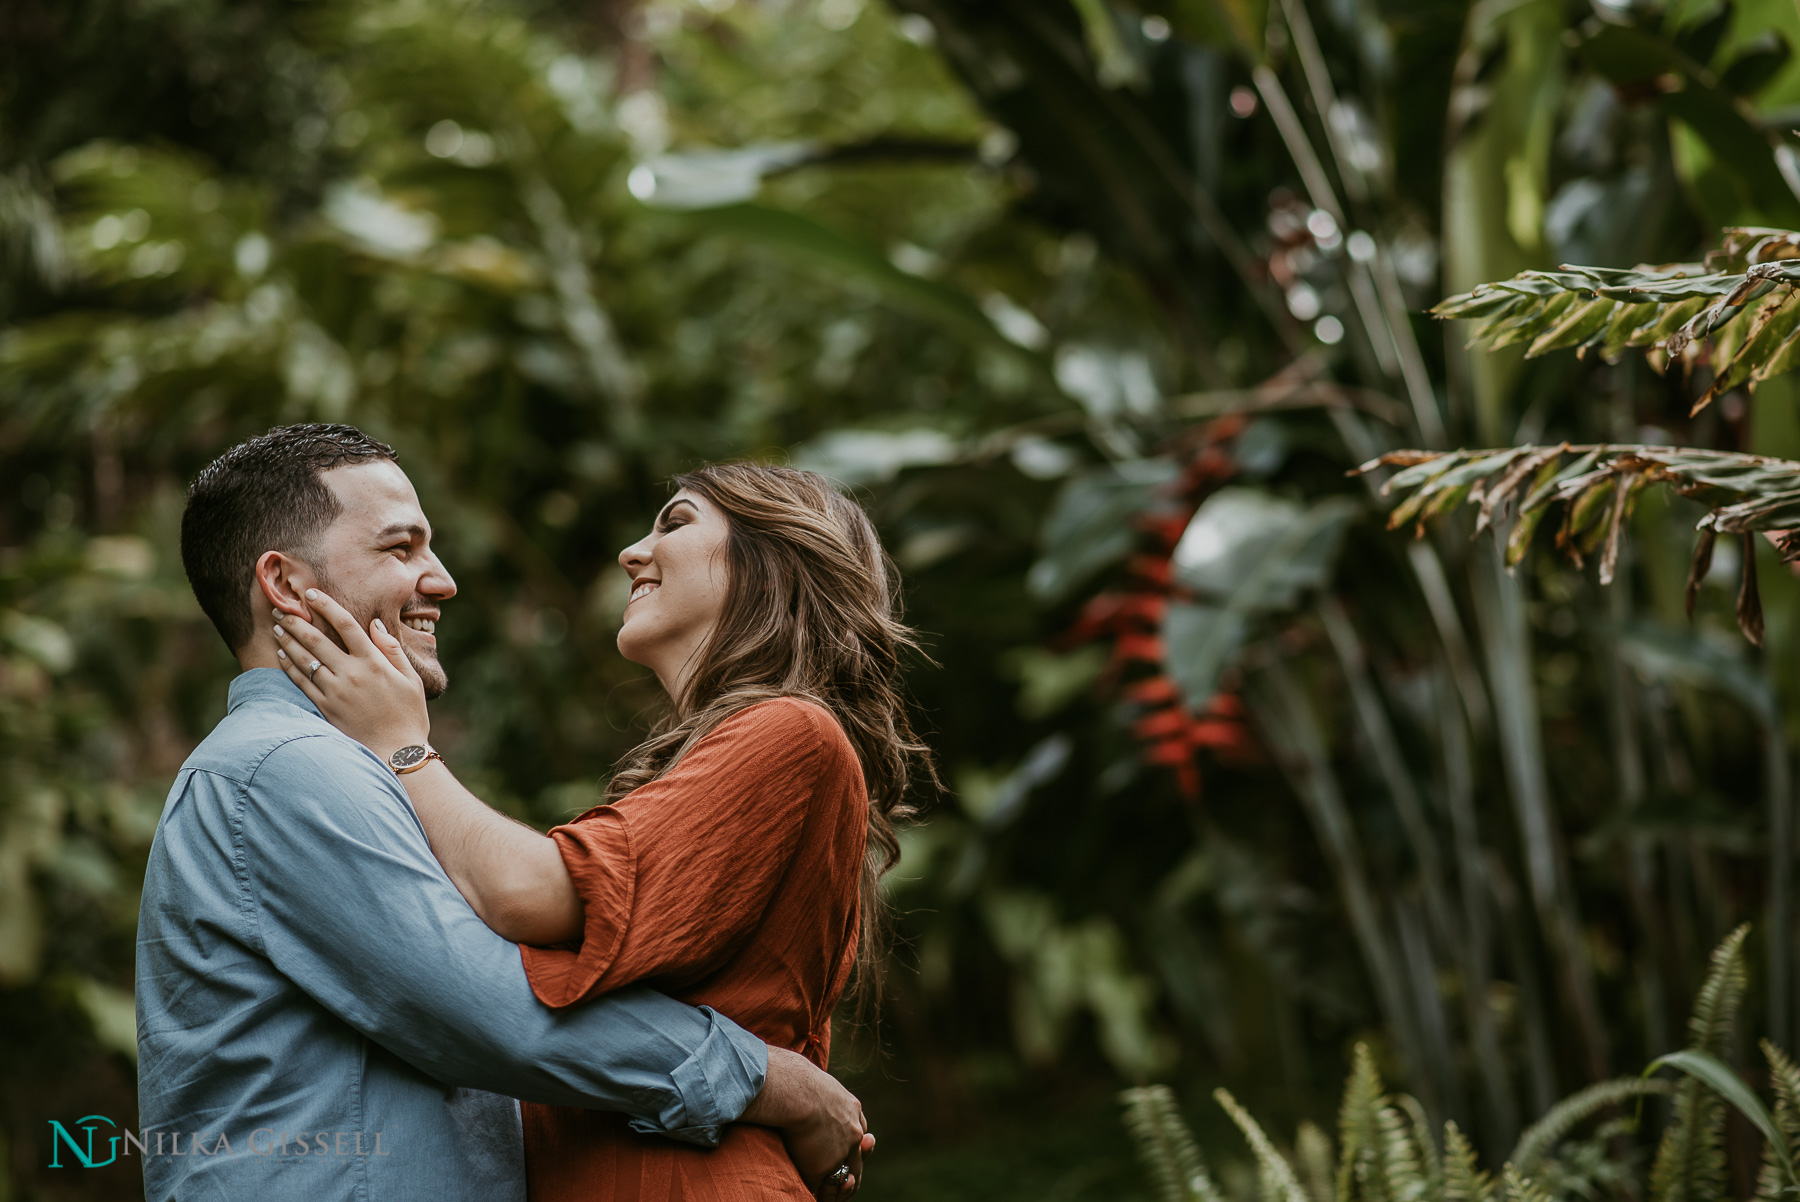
[342, 894]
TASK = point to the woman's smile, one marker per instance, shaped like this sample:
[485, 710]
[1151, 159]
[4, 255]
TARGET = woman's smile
[685, 550]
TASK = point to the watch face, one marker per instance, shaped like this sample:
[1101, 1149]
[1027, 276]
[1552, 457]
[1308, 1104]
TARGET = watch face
[409, 757]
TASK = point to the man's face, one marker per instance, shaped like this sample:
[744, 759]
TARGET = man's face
[377, 561]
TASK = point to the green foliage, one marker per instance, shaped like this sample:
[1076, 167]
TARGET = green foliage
[1024, 278]
[1317, 1161]
[1166, 1146]
[1541, 1138]
[1359, 1131]
[1384, 1155]
[1464, 1180]
[1773, 1180]
[1517, 1188]
[1279, 1183]
[1690, 1160]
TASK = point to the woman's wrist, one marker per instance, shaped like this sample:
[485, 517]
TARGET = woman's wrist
[387, 743]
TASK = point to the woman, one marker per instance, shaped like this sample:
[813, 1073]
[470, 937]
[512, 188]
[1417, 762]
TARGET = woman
[735, 859]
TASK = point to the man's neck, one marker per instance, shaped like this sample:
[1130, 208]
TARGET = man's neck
[259, 653]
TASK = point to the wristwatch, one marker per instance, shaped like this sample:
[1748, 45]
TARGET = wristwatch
[411, 759]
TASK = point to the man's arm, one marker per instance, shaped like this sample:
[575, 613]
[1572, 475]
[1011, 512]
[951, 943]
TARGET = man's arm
[347, 901]
[815, 1115]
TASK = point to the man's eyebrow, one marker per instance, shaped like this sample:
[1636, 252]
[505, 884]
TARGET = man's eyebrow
[410, 529]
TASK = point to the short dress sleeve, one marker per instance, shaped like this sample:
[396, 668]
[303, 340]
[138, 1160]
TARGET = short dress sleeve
[678, 873]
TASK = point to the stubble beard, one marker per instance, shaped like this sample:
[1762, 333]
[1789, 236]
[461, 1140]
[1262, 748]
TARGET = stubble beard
[431, 672]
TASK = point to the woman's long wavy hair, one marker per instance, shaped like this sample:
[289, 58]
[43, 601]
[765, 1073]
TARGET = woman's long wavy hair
[812, 610]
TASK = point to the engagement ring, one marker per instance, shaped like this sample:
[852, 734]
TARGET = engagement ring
[313, 668]
[839, 1176]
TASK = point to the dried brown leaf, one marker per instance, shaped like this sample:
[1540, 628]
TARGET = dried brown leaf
[1703, 553]
[1749, 603]
[1502, 495]
[1615, 519]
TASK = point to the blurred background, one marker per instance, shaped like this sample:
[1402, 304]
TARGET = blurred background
[1092, 303]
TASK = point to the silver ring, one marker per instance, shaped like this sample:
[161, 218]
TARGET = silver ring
[312, 669]
[838, 1176]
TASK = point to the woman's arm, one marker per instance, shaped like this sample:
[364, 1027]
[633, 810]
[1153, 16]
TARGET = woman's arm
[512, 876]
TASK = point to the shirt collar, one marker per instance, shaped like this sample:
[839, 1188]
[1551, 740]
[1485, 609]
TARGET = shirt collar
[267, 684]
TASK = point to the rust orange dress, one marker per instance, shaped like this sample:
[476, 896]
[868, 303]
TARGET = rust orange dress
[731, 882]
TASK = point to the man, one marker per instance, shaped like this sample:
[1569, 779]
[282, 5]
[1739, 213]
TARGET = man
[320, 1014]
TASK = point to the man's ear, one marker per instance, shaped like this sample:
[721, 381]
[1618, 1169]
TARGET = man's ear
[283, 581]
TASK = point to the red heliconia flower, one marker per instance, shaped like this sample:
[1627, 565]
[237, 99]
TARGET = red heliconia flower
[1166, 528]
[1154, 569]
[1172, 723]
[1171, 734]
[1136, 645]
[1218, 733]
[1157, 690]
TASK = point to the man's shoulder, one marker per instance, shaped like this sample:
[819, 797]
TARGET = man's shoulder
[255, 736]
[294, 770]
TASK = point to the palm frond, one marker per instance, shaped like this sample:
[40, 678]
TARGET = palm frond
[1464, 1180]
[1739, 312]
[1166, 1146]
[1279, 1183]
[1541, 1138]
[1690, 1160]
[1597, 488]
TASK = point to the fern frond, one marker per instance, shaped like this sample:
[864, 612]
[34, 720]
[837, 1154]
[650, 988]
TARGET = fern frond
[1541, 1138]
[1516, 1187]
[1166, 1146]
[1312, 1148]
[1690, 1160]
[1463, 1179]
[1742, 307]
[1401, 1173]
[1359, 1132]
[1771, 1182]
[1785, 1076]
[1424, 1142]
[1279, 1184]
[1715, 1007]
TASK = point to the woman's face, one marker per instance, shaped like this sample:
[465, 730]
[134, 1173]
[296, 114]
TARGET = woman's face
[678, 579]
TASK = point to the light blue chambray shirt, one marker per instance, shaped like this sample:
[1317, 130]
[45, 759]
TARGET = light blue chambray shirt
[305, 966]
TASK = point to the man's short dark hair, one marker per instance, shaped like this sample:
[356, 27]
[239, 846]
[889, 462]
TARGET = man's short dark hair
[262, 495]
